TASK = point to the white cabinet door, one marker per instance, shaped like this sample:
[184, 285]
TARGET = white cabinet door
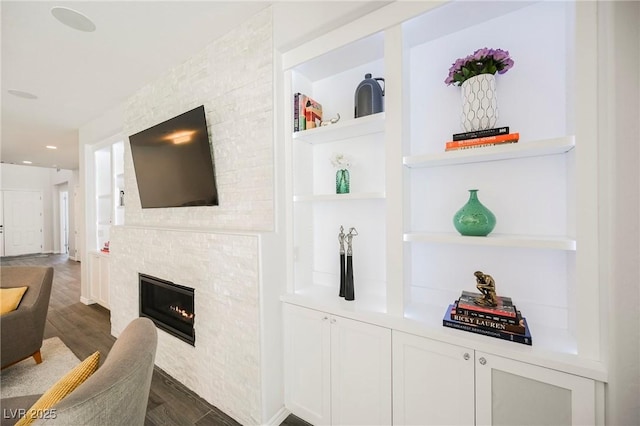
[94, 277]
[99, 279]
[360, 373]
[509, 392]
[337, 370]
[307, 364]
[433, 382]
[104, 281]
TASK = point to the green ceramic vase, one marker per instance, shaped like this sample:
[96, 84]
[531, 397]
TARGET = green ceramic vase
[474, 219]
[342, 181]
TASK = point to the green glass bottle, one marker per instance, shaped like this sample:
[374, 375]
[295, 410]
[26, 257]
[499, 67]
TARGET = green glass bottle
[474, 219]
[342, 181]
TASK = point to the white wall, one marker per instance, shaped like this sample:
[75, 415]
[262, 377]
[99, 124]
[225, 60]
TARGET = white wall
[47, 181]
[621, 148]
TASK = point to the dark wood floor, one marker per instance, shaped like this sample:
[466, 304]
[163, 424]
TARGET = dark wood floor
[85, 329]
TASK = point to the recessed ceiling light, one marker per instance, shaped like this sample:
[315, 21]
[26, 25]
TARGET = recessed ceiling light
[51, 147]
[27, 162]
[73, 18]
[22, 94]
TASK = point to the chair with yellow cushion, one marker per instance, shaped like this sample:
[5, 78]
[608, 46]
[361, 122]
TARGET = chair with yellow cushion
[23, 328]
[116, 394]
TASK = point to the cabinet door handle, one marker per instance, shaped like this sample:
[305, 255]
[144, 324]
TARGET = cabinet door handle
[325, 318]
[482, 361]
[466, 356]
[333, 320]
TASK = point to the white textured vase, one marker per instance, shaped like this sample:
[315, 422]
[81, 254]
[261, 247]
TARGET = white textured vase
[479, 103]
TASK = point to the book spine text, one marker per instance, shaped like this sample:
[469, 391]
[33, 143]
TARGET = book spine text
[481, 133]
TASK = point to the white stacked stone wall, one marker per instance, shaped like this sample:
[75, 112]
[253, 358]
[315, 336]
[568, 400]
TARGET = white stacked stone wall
[233, 79]
[215, 250]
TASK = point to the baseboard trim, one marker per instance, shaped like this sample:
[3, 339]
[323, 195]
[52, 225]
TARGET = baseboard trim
[279, 417]
[86, 301]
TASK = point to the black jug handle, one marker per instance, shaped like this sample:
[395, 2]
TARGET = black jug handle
[384, 86]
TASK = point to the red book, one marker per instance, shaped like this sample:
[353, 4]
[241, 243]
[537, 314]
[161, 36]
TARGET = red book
[505, 306]
[510, 137]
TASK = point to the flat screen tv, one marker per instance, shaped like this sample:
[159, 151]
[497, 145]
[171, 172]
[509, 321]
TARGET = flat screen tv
[173, 163]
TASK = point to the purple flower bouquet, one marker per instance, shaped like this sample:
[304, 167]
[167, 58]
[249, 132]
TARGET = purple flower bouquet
[482, 61]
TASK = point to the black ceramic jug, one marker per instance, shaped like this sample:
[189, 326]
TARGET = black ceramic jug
[369, 96]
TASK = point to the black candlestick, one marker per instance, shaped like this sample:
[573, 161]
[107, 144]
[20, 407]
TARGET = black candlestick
[349, 291]
[342, 271]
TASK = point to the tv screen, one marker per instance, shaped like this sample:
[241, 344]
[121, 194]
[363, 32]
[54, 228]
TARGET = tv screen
[174, 164]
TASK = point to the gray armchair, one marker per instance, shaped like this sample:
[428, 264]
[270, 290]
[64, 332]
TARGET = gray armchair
[23, 329]
[116, 394]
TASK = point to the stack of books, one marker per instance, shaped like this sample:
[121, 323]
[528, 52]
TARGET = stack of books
[481, 138]
[307, 112]
[503, 321]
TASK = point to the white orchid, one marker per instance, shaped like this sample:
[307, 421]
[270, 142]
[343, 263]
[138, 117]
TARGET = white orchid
[340, 161]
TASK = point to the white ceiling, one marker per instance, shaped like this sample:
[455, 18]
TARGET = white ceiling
[77, 76]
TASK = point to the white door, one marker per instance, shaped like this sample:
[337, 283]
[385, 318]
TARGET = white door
[306, 364]
[360, 373]
[433, 382]
[23, 222]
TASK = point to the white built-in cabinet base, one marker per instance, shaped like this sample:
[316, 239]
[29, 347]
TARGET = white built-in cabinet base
[341, 371]
[337, 370]
[99, 278]
[436, 383]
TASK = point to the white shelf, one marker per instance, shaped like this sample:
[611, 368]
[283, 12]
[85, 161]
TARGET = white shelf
[340, 197]
[545, 338]
[99, 253]
[493, 153]
[326, 298]
[494, 240]
[346, 129]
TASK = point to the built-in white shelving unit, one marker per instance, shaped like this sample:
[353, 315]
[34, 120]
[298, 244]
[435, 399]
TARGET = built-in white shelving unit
[409, 262]
[109, 181]
[105, 181]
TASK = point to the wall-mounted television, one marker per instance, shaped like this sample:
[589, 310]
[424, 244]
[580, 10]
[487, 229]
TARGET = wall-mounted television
[173, 163]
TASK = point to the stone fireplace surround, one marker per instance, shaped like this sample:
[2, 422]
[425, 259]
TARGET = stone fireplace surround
[224, 366]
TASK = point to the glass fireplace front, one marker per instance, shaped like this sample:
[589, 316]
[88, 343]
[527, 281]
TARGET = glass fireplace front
[170, 306]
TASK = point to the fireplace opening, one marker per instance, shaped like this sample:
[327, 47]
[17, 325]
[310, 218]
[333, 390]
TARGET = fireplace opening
[170, 306]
